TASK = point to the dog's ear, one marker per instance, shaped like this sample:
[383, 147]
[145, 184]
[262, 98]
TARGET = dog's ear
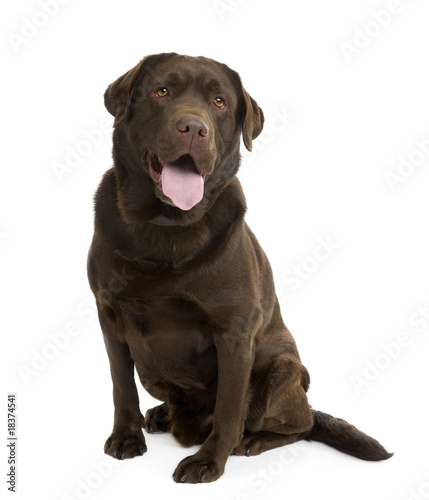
[117, 97]
[253, 119]
[124, 93]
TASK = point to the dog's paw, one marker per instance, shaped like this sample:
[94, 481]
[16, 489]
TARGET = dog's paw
[156, 419]
[249, 446]
[195, 470]
[125, 444]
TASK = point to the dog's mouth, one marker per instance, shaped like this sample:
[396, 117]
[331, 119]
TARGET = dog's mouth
[179, 180]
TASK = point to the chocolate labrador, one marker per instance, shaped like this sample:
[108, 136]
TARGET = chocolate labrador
[184, 292]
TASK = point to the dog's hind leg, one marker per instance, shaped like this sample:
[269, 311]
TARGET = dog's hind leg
[156, 419]
[280, 413]
[255, 443]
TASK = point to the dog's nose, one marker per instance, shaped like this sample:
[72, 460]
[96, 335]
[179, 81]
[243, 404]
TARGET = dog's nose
[191, 128]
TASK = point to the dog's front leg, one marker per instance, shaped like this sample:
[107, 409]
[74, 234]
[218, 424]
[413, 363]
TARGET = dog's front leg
[235, 359]
[126, 439]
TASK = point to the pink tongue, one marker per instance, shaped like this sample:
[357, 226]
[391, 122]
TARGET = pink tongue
[182, 183]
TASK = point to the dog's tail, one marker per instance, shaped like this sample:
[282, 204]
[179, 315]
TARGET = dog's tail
[345, 437]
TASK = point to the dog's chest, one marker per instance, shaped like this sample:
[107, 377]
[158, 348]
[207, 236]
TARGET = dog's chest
[171, 343]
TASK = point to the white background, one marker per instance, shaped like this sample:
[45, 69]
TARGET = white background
[318, 174]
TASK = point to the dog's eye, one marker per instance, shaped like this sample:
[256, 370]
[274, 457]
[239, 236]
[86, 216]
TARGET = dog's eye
[161, 92]
[220, 103]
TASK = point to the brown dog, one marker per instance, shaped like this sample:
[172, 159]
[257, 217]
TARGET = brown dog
[183, 289]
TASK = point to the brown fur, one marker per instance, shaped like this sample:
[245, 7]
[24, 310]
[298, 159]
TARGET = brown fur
[187, 297]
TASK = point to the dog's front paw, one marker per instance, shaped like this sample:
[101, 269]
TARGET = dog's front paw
[196, 470]
[125, 443]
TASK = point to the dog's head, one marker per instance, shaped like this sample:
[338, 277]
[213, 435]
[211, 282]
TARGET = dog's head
[178, 121]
